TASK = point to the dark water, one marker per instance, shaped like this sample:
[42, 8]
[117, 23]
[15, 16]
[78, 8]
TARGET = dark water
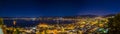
[30, 23]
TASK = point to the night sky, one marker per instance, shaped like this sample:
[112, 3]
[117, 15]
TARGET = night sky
[35, 8]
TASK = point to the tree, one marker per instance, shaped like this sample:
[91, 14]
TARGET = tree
[17, 31]
[114, 24]
[1, 21]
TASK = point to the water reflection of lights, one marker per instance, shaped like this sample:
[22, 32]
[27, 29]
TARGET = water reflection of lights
[33, 19]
